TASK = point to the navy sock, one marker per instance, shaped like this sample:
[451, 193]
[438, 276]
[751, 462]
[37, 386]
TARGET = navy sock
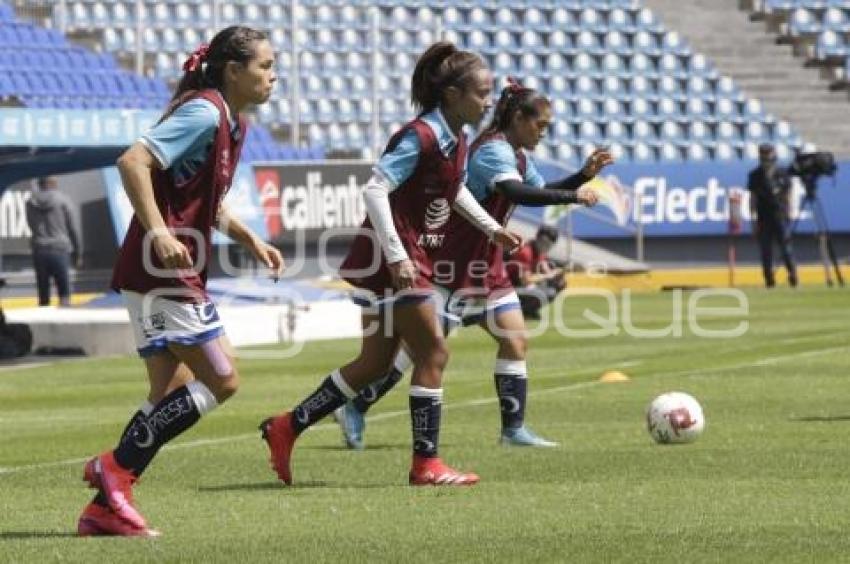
[177, 412]
[331, 393]
[376, 390]
[511, 387]
[425, 407]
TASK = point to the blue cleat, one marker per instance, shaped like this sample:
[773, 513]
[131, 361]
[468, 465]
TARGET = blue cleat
[522, 436]
[352, 423]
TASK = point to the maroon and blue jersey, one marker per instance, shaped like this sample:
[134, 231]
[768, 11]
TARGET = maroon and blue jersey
[189, 206]
[421, 210]
[469, 260]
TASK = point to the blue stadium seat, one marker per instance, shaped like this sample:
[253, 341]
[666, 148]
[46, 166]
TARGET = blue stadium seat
[591, 19]
[641, 108]
[803, 21]
[7, 86]
[669, 152]
[616, 131]
[617, 42]
[588, 42]
[562, 19]
[7, 14]
[697, 108]
[601, 62]
[565, 153]
[672, 42]
[837, 19]
[725, 152]
[830, 44]
[585, 64]
[645, 19]
[641, 152]
[696, 152]
[561, 108]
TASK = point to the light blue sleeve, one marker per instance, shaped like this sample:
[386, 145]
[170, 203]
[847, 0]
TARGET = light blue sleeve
[186, 132]
[493, 162]
[532, 175]
[397, 165]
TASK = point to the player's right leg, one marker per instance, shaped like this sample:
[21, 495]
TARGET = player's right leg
[112, 511]
[280, 432]
[177, 342]
[351, 417]
[419, 328]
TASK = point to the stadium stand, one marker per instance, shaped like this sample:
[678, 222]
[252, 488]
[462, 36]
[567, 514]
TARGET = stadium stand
[598, 60]
[820, 29]
[41, 69]
[749, 41]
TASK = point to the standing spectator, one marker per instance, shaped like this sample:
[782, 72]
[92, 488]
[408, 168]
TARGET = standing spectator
[55, 240]
[530, 270]
[770, 195]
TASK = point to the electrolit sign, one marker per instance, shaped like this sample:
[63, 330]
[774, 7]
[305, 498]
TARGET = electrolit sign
[687, 199]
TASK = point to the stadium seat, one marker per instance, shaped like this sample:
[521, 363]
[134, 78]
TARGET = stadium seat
[641, 152]
[7, 14]
[600, 61]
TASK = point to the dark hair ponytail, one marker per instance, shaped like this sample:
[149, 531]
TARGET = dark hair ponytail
[442, 65]
[515, 97]
[205, 67]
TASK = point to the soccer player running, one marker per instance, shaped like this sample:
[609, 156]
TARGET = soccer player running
[416, 185]
[472, 273]
[176, 176]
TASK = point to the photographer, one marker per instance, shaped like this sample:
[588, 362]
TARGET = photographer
[770, 194]
[530, 269]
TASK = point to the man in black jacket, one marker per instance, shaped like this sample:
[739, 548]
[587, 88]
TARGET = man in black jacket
[770, 198]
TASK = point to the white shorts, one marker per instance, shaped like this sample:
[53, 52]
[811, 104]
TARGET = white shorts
[157, 322]
[472, 309]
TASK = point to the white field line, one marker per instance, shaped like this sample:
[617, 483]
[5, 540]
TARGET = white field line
[461, 405]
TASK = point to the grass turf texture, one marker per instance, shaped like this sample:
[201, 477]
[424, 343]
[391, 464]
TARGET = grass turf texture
[766, 482]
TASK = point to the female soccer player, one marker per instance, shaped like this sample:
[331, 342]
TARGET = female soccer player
[409, 199]
[471, 271]
[176, 176]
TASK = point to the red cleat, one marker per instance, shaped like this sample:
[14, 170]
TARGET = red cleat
[97, 520]
[278, 433]
[434, 472]
[116, 483]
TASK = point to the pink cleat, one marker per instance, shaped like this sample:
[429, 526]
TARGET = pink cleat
[116, 483]
[97, 520]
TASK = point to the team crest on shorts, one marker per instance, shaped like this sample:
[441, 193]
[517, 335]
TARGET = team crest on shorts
[153, 323]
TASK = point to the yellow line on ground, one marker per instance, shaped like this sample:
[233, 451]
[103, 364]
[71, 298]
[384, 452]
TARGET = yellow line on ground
[32, 301]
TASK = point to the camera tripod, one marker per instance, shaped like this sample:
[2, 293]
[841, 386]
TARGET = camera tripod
[827, 250]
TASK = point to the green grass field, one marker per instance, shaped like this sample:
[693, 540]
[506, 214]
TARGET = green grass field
[767, 482]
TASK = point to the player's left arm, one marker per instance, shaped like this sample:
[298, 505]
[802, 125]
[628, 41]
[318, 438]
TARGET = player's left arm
[233, 227]
[468, 207]
[598, 160]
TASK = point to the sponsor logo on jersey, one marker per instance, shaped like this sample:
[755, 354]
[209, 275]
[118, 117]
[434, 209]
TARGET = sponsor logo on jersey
[437, 214]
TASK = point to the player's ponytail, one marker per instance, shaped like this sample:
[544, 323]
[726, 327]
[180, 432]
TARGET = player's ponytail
[205, 66]
[442, 65]
[515, 97]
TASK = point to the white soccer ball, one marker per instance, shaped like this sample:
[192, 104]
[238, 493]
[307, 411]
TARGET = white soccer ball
[674, 417]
